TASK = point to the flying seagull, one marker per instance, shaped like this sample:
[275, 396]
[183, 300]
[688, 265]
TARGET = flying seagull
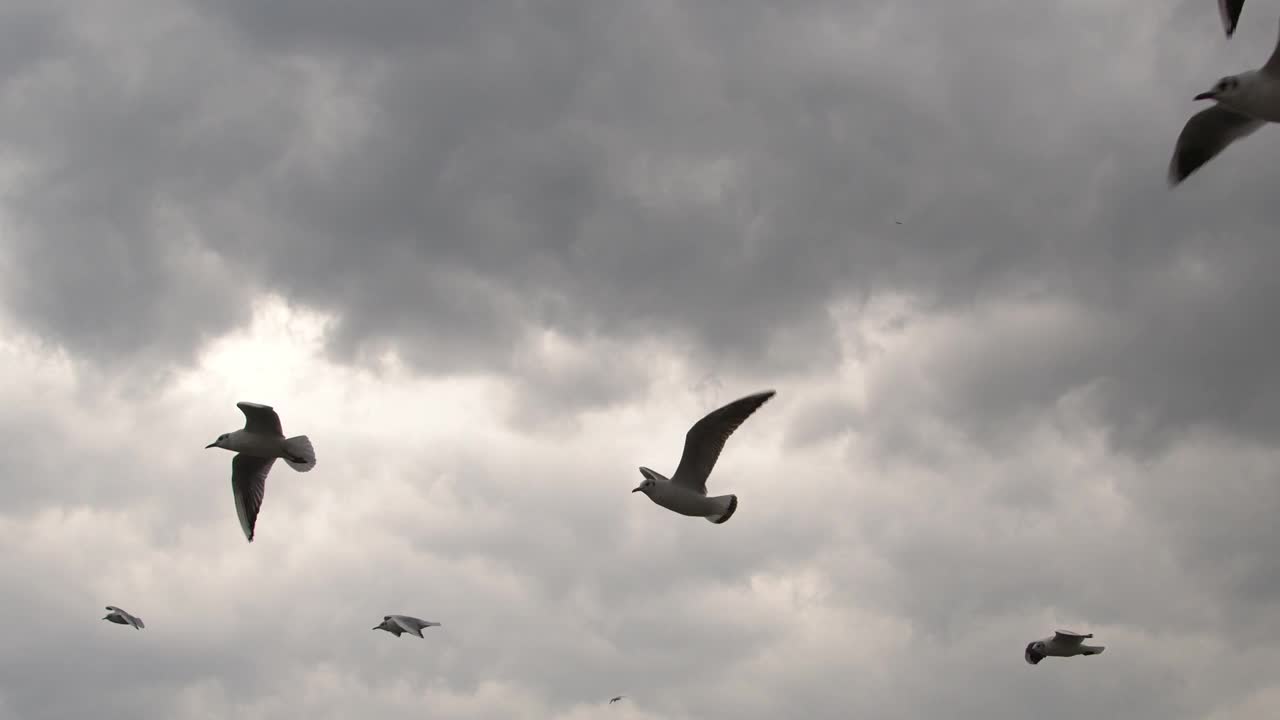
[615, 699]
[258, 445]
[1062, 644]
[121, 617]
[396, 624]
[686, 491]
[1230, 12]
[1244, 103]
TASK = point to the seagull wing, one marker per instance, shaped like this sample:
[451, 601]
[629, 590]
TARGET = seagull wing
[1272, 67]
[394, 629]
[1066, 638]
[249, 483]
[132, 620]
[705, 440]
[1206, 134]
[261, 419]
[1230, 12]
[422, 624]
[410, 624]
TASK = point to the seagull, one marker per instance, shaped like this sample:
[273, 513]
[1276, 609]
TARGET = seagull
[121, 617]
[258, 445]
[396, 624]
[616, 699]
[1230, 12]
[686, 491]
[1062, 644]
[1245, 102]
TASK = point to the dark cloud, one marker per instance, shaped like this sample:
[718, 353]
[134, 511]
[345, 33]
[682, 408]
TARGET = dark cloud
[620, 215]
[449, 181]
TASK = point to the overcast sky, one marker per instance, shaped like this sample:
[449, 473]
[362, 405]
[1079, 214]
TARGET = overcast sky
[493, 255]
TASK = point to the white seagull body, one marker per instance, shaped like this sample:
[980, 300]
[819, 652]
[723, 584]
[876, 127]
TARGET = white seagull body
[258, 445]
[1244, 103]
[121, 617]
[1063, 644]
[686, 491]
[396, 624]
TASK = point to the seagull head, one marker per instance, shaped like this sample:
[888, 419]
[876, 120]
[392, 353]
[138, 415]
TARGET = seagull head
[650, 480]
[217, 443]
[1034, 652]
[1224, 88]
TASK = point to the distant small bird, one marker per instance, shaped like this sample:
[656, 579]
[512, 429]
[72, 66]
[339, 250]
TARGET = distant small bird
[396, 624]
[1062, 644]
[616, 699]
[121, 617]
[1230, 12]
[1244, 103]
[897, 222]
[686, 491]
[259, 444]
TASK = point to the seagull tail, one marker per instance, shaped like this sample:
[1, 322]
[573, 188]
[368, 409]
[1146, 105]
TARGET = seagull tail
[725, 506]
[299, 447]
[1092, 649]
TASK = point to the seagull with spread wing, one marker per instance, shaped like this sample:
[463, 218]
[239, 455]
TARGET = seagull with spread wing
[1063, 644]
[615, 699]
[121, 617]
[397, 624]
[258, 445]
[1243, 103]
[685, 492]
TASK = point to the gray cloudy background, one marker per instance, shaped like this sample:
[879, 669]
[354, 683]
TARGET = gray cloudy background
[493, 255]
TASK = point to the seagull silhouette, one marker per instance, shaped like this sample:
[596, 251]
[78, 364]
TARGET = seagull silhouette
[258, 445]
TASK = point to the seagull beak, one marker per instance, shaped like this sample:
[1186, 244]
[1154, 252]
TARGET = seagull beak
[379, 627]
[212, 444]
[1206, 95]
[636, 490]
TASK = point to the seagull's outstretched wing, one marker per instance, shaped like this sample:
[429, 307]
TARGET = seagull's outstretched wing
[1272, 66]
[705, 440]
[1230, 12]
[136, 622]
[412, 624]
[261, 419]
[1066, 638]
[249, 484]
[1206, 134]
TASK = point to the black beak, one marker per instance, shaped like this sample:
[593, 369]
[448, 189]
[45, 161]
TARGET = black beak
[212, 444]
[636, 490]
[378, 627]
[1205, 96]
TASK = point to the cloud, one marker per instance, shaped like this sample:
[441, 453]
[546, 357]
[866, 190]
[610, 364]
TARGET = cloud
[492, 256]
